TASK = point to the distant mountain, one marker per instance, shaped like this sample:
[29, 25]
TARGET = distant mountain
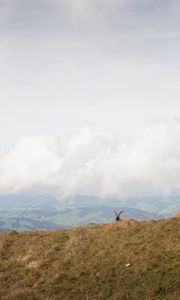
[51, 219]
[31, 211]
[21, 201]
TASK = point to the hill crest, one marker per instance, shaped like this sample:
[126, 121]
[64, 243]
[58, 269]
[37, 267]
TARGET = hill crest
[124, 260]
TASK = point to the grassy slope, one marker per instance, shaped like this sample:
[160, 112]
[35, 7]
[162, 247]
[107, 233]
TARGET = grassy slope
[89, 262]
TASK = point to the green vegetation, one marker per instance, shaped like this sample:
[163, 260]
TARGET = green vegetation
[38, 219]
[89, 262]
[34, 211]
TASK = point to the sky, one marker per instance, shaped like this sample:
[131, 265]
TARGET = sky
[103, 74]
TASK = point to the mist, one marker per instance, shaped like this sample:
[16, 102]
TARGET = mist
[93, 162]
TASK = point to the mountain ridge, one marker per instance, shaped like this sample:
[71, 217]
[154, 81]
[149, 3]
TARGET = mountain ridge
[41, 211]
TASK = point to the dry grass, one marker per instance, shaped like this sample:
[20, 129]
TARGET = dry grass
[177, 215]
[88, 262]
[3, 242]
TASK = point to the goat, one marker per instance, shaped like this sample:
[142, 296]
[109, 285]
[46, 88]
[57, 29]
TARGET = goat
[118, 215]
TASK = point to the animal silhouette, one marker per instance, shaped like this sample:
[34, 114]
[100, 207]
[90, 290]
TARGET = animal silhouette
[118, 215]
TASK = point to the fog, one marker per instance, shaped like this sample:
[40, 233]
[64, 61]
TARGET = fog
[96, 163]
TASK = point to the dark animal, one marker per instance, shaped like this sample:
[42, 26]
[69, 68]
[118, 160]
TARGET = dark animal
[118, 215]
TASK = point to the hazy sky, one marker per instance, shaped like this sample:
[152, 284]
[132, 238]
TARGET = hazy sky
[112, 64]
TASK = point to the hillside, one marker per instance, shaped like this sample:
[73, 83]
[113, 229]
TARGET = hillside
[43, 211]
[45, 219]
[90, 262]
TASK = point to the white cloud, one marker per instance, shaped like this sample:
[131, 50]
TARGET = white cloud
[92, 162]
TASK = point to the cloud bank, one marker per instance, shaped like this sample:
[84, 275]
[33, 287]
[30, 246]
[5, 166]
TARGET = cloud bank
[93, 162]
